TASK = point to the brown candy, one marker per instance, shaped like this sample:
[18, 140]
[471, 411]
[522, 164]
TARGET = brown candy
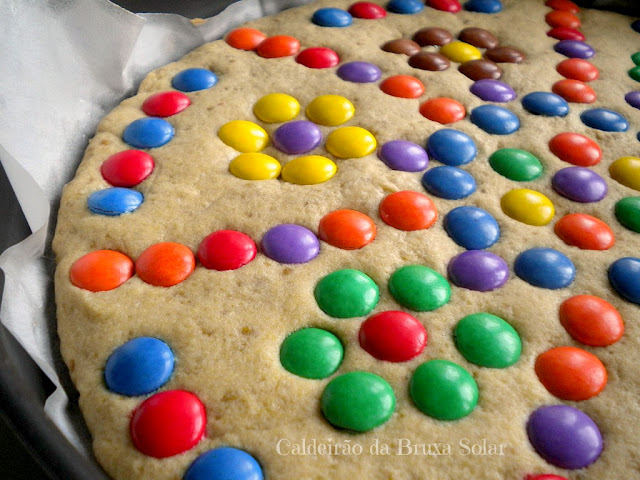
[478, 37]
[479, 69]
[432, 36]
[401, 45]
[432, 61]
[505, 55]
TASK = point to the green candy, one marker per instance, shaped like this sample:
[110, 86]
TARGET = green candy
[443, 390]
[628, 213]
[487, 340]
[635, 58]
[516, 164]
[635, 73]
[419, 288]
[311, 353]
[346, 294]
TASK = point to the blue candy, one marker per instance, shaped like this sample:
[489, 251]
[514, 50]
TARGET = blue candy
[450, 183]
[225, 463]
[624, 276]
[149, 132]
[603, 119]
[483, 6]
[332, 17]
[114, 201]
[472, 228]
[194, 79]
[636, 25]
[451, 147]
[545, 103]
[494, 119]
[406, 7]
[545, 268]
[139, 366]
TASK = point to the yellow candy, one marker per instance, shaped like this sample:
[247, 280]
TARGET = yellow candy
[460, 52]
[330, 110]
[527, 206]
[626, 170]
[350, 142]
[276, 108]
[244, 136]
[309, 170]
[255, 166]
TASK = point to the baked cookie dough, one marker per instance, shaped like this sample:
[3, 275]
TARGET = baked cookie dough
[389, 241]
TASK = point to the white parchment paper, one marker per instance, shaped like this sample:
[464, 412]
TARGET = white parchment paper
[63, 65]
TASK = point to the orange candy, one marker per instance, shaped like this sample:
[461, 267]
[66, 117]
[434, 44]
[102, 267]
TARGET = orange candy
[575, 149]
[408, 210]
[443, 110]
[578, 69]
[585, 232]
[591, 320]
[574, 91]
[244, 38]
[403, 86]
[101, 270]
[278, 46]
[561, 18]
[571, 373]
[347, 229]
[564, 5]
[165, 264]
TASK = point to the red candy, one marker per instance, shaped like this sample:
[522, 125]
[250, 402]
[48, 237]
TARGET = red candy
[578, 69]
[367, 11]
[226, 250]
[564, 5]
[168, 423]
[574, 91]
[547, 476]
[101, 270]
[165, 104]
[591, 320]
[408, 210]
[278, 46]
[393, 336]
[564, 33]
[452, 6]
[403, 86]
[318, 57]
[560, 18]
[244, 38]
[347, 229]
[443, 110]
[128, 168]
[585, 232]
[575, 149]
[165, 264]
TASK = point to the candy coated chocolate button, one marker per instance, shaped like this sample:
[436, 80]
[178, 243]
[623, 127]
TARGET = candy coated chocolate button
[591, 320]
[492, 91]
[565, 5]
[574, 49]
[165, 104]
[626, 170]
[346, 293]
[564, 436]
[150, 132]
[478, 37]
[460, 52]
[408, 211]
[447, 182]
[487, 340]
[367, 10]
[309, 170]
[296, 137]
[318, 57]
[571, 373]
[578, 69]
[515, 164]
[545, 103]
[451, 147]
[127, 168]
[168, 423]
[576, 149]
[402, 46]
[289, 243]
[224, 463]
[564, 33]
[579, 184]
[628, 213]
[479, 69]
[443, 110]
[350, 142]
[562, 18]
[359, 72]
[311, 353]
[527, 206]
[635, 73]
[624, 276]
[635, 58]
[432, 36]
[244, 136]
[633, 99]
[101, 270]
[451, 6]
[193, 79]
[139, 366]
[392, 336]
[402, 86]
[347, 229]
[544, 477]
[226, 250]
[255, 166]
[505, 55]
[635, 25]
[276, 108]
[404, 155]
[165, 264]
[419, 288]
[358, 401]
[430, 61]
[545, 268]
[405, 7]
[444, 390]
[483, 6]
[114, 201]
[471, 227]
[278, 46]
[330, 110]
[244, 38]
[574, 91]
[585, 232]
[495, 120]
[478, 270]
[332, 17]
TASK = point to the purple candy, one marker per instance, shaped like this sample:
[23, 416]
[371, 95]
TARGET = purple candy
[478, 270]
[633, 99]
[574, 49]
[404, 155]
[359, 72]
[564, 436]
[289, 243]
[492, 90]
[297, 137]
[579, 184]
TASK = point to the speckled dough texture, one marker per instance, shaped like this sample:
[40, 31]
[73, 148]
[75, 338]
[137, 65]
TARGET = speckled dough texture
[226, 328]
